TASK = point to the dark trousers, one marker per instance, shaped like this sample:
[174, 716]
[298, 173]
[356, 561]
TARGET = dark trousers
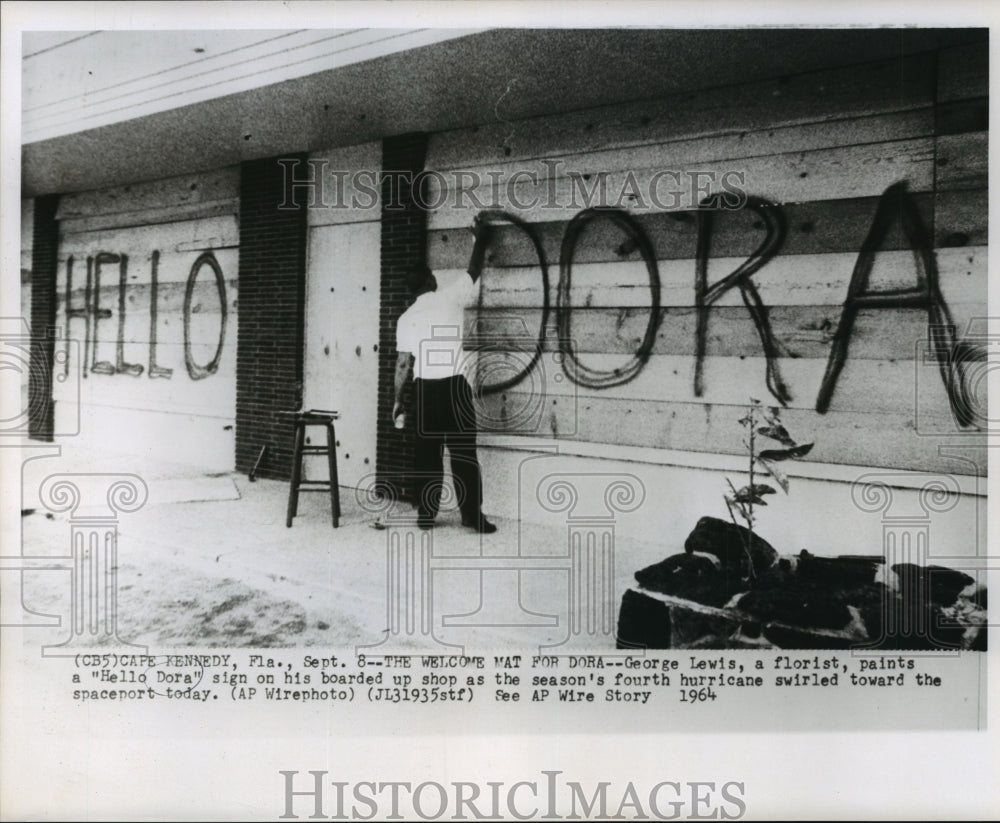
[446, 416]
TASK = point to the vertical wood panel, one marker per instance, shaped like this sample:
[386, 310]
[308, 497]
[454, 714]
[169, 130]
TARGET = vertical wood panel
[962, 161]
[341, 359]
[348, 190]
[963, 72]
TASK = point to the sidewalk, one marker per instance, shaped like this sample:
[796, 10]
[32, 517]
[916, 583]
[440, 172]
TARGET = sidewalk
[209, 562]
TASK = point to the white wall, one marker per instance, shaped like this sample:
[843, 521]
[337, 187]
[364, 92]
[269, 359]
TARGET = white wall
[820, 514]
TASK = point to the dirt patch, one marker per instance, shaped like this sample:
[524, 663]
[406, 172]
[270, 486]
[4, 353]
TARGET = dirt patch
[170, 605]
[194, 611]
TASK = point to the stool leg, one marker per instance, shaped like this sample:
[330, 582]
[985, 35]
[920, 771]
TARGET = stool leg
[293, 491]
[331, 449]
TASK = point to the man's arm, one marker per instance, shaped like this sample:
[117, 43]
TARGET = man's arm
[404, 366]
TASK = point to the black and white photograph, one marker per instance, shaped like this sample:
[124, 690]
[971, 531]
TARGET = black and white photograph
[447, 410]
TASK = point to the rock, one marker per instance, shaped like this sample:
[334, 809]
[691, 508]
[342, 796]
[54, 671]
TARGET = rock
[693, 630]
[797, 604]
[939, 583]
[676, 571]
[979, 597]
[643, 623]
[846, 570]
[727, 541]
[691, 576]
[788, 637]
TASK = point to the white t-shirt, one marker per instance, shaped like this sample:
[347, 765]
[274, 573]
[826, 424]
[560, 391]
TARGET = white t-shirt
[432, 330]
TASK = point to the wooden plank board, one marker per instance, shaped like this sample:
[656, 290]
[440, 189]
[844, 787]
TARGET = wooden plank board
[172, 271]
[792, 280]
[138, 298]
[221, 231]
[963, 72]
[169, 349]
[863, 386]
[215, 393]
[349, 189]
[961, 218]
[879, 440]
[804, 331]
[962, 116]
[176, 412]
[150, 217]
[731, 144]
[827, 174]
[201, 187]
[205, 325]
[169, 354]
[855, 91]
[816, 227]
[963, 161]
[205, 440]
[172, 268]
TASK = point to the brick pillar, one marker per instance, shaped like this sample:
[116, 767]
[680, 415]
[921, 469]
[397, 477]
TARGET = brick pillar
[271, 318]
[404, 243]
[44, 262]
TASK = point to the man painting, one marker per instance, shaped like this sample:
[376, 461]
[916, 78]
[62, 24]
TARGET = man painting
[429, 345]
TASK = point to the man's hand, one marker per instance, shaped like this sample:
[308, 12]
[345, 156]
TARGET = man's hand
[481, 229]
[404, 363]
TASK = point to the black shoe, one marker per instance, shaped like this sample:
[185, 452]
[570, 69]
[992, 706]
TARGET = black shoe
[480, 524]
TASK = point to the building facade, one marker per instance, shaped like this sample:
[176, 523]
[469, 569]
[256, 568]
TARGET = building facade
[682, 221]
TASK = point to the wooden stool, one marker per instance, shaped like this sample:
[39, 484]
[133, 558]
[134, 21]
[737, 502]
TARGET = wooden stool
[304, 419]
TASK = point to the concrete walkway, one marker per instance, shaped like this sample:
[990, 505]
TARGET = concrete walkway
[209, 562]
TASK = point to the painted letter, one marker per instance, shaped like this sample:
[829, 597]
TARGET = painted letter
[154, 369]
[100, 366]
[196, 371]
[132, 369]
[705, 295]
[896, 200]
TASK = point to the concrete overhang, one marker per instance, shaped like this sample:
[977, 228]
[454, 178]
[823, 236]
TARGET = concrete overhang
[439, 80]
